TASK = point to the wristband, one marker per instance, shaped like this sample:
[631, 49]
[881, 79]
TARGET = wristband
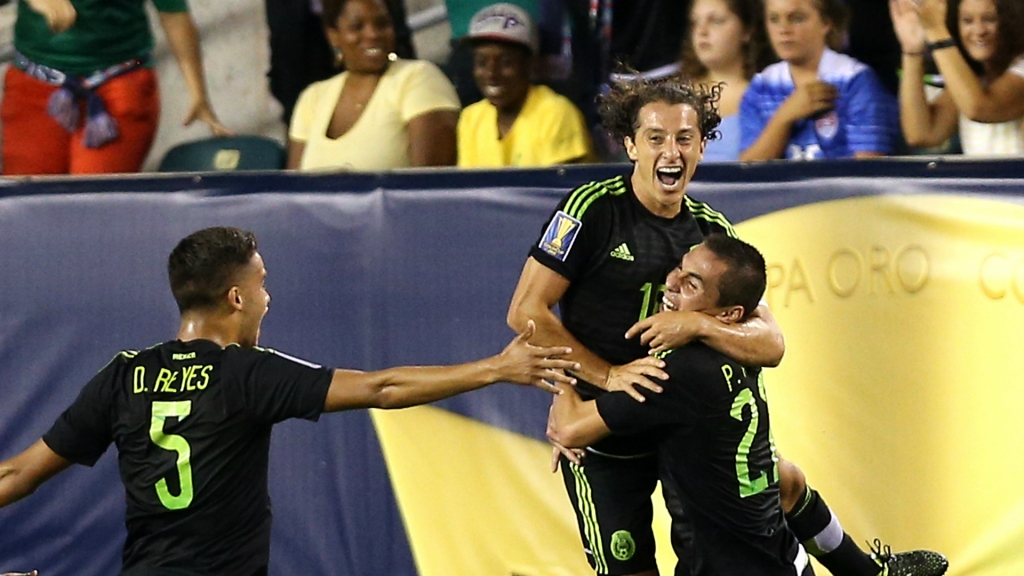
[941, 44]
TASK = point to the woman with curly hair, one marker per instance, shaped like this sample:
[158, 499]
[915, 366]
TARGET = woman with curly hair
[987, 102]
[726, 46]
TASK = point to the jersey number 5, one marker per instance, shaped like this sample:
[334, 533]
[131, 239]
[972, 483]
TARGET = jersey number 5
[173, 443]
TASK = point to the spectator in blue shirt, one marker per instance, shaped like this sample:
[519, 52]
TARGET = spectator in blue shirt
[815, 103]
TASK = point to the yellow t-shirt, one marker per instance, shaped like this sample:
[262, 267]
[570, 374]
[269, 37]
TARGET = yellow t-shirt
[549, 130]
[379, 139]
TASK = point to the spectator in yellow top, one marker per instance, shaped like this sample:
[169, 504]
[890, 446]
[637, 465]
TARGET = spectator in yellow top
[382, 112]
[518, 123]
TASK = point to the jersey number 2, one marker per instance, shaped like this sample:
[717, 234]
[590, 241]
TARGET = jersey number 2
[173, 443]
[748, 486]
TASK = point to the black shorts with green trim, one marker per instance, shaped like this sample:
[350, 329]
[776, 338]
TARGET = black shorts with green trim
[612, 500]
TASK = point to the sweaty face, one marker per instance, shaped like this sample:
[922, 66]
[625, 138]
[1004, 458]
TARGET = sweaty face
[364, 35]
[255, 299]
[717, 34]
[693, 285]
[796, 29]
[979, 28]
[665, 150]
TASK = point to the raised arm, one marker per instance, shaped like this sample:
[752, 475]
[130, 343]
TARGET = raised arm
[573, 423]
[432, 138]
[183, 38]
[401, 387]
[757, 341]
[539, 289]
[21, 475]
[923, 123]
[999, 101]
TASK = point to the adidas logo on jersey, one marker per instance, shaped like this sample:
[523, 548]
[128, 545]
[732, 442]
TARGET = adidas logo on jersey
[622, 253]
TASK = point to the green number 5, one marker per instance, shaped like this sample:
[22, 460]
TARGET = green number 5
[748, 486]
[173, 443]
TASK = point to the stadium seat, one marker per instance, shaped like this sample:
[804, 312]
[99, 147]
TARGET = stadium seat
[225, 155]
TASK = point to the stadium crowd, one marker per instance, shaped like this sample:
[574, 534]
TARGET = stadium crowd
[796, 79]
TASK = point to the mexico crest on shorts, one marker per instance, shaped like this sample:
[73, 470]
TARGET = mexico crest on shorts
[827, 126]
[561, 233]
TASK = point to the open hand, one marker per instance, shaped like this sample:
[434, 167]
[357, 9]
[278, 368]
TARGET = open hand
[60, 14]
[640, 372]
[907, 25]
[669, 329]
[524, 363]
[809, 99]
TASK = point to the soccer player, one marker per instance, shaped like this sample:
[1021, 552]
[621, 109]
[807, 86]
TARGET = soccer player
[602, 258]
[191, 418]
[713, 423]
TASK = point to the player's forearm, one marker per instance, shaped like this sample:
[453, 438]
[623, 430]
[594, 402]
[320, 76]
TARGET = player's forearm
[21, 475]
[574, 423]
[771, 144]
[406, 386]
[757, 341]
[551, 332]
[12, 485]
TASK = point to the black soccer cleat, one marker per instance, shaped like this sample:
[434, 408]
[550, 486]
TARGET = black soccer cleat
[912, 563]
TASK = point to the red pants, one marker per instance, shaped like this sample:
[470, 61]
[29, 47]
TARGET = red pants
[33, 142]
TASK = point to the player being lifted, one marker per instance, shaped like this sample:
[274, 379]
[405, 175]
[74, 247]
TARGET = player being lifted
[602, 258]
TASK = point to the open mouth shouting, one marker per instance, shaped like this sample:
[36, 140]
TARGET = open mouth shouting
[670, 176]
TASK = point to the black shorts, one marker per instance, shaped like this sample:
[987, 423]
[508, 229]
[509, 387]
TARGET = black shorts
[612, 500]
[721, 552]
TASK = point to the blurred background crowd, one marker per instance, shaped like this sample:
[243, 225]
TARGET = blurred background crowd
[372, 85]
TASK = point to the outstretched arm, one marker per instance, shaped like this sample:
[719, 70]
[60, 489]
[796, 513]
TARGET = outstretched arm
[21, 475]
[757, 341]
[405, 386]
[573, 423]
[183, 38]
[539, 289]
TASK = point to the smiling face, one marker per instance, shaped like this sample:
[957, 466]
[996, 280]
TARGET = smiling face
[693, 285]
[502, 72]
[252, 300]
[797, 30]
[365, 36]
[717, 34]
[665, 150]
[978, 21]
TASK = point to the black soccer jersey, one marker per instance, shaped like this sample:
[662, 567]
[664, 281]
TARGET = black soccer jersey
[192, 422]
[616, 255]
[717, 447]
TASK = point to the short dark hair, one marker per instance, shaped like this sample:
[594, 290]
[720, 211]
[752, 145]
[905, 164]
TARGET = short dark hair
[744, 280]
[332, 10]
[620, 107]
[203, 265]
[836, 13]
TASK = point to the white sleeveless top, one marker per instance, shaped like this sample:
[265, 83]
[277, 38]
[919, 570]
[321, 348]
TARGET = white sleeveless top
[1002, 139]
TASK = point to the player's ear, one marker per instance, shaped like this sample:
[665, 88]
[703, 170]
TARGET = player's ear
[234, 298]
[630, 147]
[732, 314]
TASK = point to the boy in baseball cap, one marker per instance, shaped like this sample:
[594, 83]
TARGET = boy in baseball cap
[518, 123]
